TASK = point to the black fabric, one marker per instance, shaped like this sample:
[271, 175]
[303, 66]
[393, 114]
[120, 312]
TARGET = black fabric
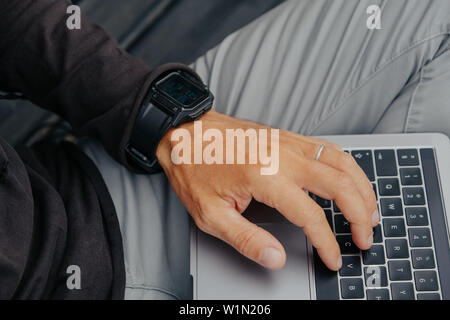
[71, 226]
[55, 210]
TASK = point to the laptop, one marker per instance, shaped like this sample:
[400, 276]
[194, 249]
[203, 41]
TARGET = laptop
[410, 258]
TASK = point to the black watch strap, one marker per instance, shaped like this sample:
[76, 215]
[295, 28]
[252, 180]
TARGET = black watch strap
[176, 97]
[143, 146]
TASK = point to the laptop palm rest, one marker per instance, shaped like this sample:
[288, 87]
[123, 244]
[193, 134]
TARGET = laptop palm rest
[222, 273]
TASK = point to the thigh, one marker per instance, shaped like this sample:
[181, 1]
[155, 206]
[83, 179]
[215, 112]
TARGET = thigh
[424, 104]
[313, 67]
[154, 227]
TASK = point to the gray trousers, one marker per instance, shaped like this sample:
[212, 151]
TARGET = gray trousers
[308, 66]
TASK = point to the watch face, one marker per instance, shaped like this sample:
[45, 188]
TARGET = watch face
[181, 90]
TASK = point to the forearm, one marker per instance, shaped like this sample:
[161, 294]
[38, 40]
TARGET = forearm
[81, 75]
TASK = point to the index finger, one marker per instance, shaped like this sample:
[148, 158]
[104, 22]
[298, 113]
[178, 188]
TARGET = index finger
[293, 203]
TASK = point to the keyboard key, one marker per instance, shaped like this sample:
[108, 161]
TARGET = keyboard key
[428, 296]
[377, 234]
[320, 201]
[411, 176]
[399, 270]
[341, 224]
[426, 280]
[388, 187]
[397, 249]
[377, 294]
[352, 288]
[413, 196]
[327, 282]
[365, 161]
[336, 208]
[402, 291]
[375, 277]
[394, 227]
[351, 266]
[417, 216]
[373, 256]
[408, 157]
[391, 207]
[385, 163]
[419, 237]
[329, 216]
[346, 244]
[423, 258]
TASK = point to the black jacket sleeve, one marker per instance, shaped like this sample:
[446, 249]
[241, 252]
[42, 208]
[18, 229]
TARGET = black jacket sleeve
[82, 75]
[16, 220]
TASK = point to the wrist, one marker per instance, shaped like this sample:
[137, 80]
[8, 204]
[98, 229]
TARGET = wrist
[164, 149]
[175, 98]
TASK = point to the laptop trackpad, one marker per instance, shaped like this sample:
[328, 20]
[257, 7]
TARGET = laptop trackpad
[225, 274]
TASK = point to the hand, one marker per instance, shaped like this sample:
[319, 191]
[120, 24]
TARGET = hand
[216, 195]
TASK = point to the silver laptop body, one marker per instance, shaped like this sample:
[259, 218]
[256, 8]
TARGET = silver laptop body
[416, 236]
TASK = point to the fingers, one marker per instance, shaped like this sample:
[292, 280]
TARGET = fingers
[302, 211]
[250, 240]
[346, 163]
[330, 183]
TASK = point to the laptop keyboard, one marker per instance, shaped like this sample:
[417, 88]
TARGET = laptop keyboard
[401, 265]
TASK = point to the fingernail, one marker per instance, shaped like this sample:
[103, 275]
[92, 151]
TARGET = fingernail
[375, 217]
[339, 263]
[370, 240]
[271, 258]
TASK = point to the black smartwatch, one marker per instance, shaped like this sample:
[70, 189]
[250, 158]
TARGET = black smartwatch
[176, 97]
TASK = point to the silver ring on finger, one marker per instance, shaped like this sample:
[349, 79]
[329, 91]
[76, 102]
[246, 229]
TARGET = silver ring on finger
[319, 153]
